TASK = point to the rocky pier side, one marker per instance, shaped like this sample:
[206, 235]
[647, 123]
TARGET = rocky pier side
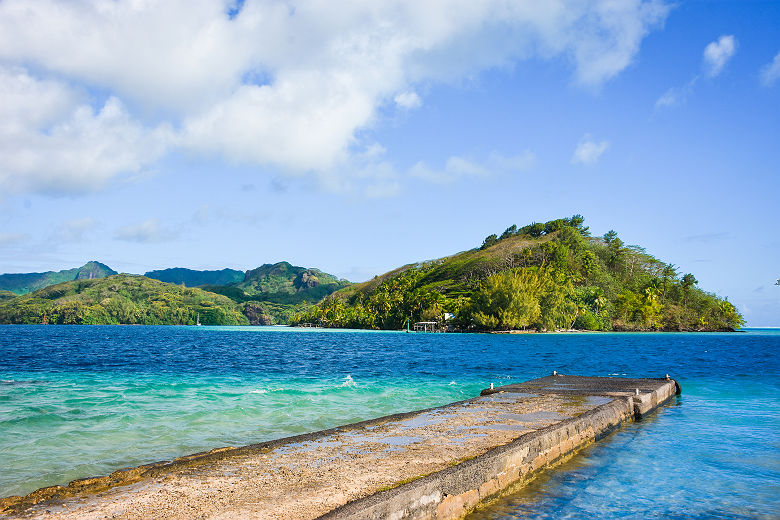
[439, 463]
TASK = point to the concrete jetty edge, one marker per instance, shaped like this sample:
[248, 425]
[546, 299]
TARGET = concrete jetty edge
[469, 479]
[464, 487]
[16, 504]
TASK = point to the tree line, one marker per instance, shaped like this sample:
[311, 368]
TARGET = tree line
[543, 276]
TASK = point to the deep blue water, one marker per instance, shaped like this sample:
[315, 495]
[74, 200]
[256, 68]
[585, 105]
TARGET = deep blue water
[81, 401]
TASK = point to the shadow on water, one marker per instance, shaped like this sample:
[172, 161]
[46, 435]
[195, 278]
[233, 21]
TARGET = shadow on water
[544, 496]
[634, 473]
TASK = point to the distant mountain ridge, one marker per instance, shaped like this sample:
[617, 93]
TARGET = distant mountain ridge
[283, 282]
[121, 299]
[195, 278]
[23, 283]
[269, 294]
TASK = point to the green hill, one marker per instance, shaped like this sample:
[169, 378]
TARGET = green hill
[282, 283]
[23, 283]
[194, 278]
[274, 293]
[549, 276]
[121, 299]
[270, 294]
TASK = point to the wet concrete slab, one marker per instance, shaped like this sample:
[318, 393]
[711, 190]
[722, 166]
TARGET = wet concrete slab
[437, 463]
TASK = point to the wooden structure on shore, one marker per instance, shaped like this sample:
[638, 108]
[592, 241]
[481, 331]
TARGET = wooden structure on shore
[426, 326]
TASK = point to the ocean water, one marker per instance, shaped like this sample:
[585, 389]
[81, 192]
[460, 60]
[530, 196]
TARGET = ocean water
[83, 401]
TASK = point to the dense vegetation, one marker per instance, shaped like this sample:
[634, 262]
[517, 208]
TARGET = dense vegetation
[270, 294]
[121, 299]
[279, 291]
[281, 283]
[194, 278]
[23, 283]
[547, 276]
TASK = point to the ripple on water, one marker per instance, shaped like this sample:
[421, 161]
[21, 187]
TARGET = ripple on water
[81, 401]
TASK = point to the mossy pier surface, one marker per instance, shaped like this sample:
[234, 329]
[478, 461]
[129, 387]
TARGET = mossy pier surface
[439, 463]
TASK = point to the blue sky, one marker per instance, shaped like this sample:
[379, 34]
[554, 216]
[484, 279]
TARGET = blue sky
[356, 138]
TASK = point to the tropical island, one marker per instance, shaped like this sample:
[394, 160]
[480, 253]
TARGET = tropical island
[539, 277]
[543, 277]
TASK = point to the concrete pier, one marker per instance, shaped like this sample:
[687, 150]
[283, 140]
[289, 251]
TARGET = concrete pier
[439, 463]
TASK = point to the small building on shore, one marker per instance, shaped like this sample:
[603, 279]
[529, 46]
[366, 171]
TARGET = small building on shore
[426, 326]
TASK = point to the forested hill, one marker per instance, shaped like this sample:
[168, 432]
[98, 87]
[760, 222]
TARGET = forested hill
[282, 283]
[268, 295]
[543, 276]
[23, 283]
[195, 278]
[121, 299]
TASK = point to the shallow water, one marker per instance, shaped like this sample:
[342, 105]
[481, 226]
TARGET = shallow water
[82, 401]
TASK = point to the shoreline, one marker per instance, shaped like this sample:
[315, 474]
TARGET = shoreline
[315, 329]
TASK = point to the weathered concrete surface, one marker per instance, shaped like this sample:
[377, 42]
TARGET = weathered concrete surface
[438, 463]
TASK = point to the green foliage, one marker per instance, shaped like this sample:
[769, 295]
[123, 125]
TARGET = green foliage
[193, 278]
[281, 283]
[535, 230]
[547, 276]
[508, 232]
[504, 301]
[23, 283]
[121, 299]
[282, 289]
[490, 240]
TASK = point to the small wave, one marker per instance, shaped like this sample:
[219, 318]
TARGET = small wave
[453, 383]
[348, 382]
[258, 391]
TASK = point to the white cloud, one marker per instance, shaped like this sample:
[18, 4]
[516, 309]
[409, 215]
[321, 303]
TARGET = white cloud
[771, 71]
[52, 142]
[459, 167]
[588, 150]
[676, 95]
[374, 179]
[149, 231]
[287, 84]
[670, 98]
[408, 100]
[515, 163]
[718, 53]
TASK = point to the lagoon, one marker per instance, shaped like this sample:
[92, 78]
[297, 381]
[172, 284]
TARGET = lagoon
[81, 401]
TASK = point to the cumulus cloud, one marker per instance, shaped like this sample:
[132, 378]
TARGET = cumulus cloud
[287, 84]
[147, 232]
[408, 100]
[53, 142]
[718, 53]
[771, 71]
[588, 150]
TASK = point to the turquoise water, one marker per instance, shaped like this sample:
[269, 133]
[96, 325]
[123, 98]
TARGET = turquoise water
[82, 401]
